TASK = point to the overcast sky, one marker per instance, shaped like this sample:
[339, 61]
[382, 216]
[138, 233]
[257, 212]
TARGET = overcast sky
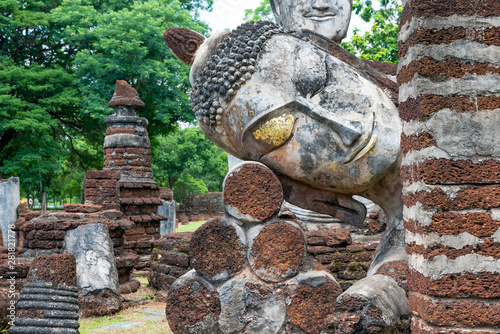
[230, 13]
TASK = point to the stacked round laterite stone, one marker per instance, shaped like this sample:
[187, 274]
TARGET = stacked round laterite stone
[49, 301]
[251, 273]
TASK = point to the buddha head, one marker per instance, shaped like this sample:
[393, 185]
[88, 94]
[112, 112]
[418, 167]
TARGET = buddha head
[264, 94]
[329, 18]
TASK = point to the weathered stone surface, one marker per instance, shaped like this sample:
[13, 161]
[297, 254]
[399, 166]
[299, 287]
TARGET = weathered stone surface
[170, 257]
[318, 20]
[418, 326]
[449, 223]
[193, 306]
[217, 249]
[398, 270]
[9, 200]
[424, 106]
[209, 203]
[429, 8]
[49, 301]
[161, 278]
[125, 95]
[455, 313]
[445, 36]
[312, 297]
[423, 140]
[331, 238]
[488, 248]
[97, 276]
[370, 299]
[259, 116]
[483, 285]
[380, 73]
[21, 268]
[276, 250]
[167, 210]
[428, 67]
[344, 323]
[469, 197]
[102, 174]
[130, 286]
[178, 242]
[58, 269]
[42, 309]
[102, 303]
[87, 208]
[287, 108]
[7, 310]
[444, 171]
[249, 307]
[252, 192]
[314, 151]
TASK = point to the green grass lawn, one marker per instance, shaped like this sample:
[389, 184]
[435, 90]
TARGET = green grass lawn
[191, 227]
[145, 324]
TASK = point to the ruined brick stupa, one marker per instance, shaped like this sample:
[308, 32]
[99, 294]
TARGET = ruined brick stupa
[127, 155]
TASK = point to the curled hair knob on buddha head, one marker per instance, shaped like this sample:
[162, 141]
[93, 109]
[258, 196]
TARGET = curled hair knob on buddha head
[183, 43]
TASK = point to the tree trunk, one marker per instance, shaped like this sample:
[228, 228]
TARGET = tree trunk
[44, 201]
[6, 137]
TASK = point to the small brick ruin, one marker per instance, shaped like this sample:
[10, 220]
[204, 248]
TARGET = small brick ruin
[127, 150]
[123, 196]
[449, 102]
[200, 207]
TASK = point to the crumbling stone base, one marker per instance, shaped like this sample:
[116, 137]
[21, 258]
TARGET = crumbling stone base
[252, 272]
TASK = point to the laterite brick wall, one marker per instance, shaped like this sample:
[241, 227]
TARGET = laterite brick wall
[449, 94]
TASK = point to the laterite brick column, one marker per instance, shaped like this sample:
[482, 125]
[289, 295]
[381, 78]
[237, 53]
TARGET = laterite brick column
[128, 151]
[449, 80]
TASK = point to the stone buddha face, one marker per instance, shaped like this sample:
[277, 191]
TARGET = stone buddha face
[329, 18]
[289, 104]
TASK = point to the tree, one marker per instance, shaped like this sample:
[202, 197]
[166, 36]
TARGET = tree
[188, 185]
[59, 60]
[263, 12]
[184, 158]
[380, 43]
[124, 41]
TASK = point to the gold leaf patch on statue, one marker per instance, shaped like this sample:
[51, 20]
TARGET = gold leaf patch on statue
[276, 131]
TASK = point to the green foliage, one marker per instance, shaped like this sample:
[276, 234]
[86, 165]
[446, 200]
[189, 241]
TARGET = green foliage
[59, 60]
[380, 43]
[263, 12]
[69, 184]
[124, 41]
[185, 157]
[195, 5]
[188, 185]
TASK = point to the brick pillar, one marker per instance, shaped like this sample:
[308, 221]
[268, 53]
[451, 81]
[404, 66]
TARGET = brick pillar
[449, 94]
[128, 151]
